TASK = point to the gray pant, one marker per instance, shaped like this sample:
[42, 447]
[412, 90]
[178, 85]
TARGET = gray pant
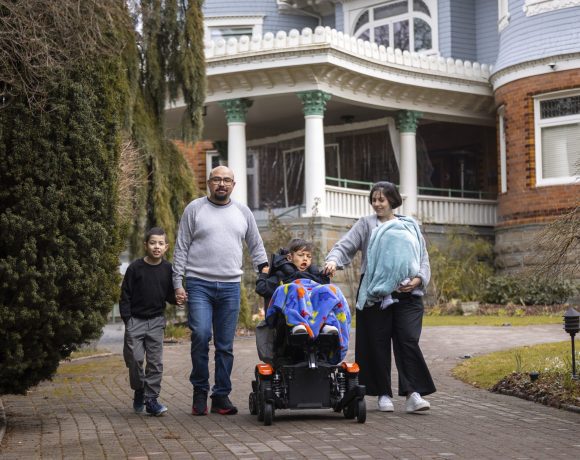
[144, 337]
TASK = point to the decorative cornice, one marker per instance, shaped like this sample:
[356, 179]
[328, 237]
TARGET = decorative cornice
[221, 49]
[314, 102]
[236, 109]
[533, 68]
[407, 121]
[533, 7]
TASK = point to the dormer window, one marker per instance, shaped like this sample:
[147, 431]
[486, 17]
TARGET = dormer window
[404, 24]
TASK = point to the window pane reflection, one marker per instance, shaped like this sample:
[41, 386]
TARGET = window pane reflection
[401, 38]
[382, 35]
[422, 35]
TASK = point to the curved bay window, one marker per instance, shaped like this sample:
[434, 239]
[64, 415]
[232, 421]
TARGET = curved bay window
[404, 24]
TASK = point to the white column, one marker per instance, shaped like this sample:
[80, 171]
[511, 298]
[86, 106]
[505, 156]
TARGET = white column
[236, 115]
[314, 155]
[237, 160]
[407, 121]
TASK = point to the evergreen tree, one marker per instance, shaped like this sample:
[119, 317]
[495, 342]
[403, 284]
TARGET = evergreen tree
[66, 111]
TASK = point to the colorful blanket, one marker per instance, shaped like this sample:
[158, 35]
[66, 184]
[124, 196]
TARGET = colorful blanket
[313, 305]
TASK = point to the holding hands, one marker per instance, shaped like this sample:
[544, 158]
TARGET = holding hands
[329, 268]
[180, 297]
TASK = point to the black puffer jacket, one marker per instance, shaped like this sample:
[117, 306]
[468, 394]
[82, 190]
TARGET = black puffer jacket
[283, 271]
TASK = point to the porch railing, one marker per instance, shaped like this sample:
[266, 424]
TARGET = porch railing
[345, 202]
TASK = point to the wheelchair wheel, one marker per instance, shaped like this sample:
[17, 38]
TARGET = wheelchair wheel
[361, 411]
[260, 408]
[350, 410]
[252, 404]
[268, 414]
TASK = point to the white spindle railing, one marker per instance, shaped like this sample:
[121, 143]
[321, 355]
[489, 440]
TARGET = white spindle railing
[344, 202]
[321, 36]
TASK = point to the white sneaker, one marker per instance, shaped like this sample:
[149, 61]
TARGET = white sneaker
[386, 404]
[416, 404]
[328, 329]
[299, 329]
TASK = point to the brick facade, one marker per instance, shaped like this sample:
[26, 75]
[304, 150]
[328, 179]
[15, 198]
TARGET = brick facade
[524, 209]
[195, 157]
[524, 203]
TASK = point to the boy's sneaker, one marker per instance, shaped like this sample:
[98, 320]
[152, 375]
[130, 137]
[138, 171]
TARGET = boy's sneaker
[416, 404]
[328, 329]
[199, 406]
[385, 404]
[222, 405]
[139, 401]
[299, 329]
[155, 408]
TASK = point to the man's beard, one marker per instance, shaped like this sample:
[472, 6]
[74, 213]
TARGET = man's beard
[223, 197]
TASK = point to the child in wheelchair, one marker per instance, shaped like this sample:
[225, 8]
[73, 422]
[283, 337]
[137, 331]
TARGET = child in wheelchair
[303, 341]
[298, 296]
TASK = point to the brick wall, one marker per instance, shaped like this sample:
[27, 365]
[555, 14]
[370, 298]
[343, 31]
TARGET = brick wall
[524, 203]
[195, 157]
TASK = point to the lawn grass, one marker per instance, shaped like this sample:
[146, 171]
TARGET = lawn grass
[485, 371]
[488, 320]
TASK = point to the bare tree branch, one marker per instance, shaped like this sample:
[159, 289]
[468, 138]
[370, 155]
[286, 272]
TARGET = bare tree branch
[41, 38]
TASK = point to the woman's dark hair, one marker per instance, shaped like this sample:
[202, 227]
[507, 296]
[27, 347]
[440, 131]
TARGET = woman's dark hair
[390, 192]
[298, 244]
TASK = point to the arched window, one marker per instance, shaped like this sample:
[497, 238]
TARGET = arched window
[403, 24]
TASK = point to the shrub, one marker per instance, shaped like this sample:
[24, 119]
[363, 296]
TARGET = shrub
[501, 290]
[58, 220]
[460, 265]
[527, 290]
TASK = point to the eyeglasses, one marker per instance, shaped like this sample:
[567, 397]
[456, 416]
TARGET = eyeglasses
[217, 180]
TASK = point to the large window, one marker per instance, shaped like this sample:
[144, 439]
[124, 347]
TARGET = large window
[557, 123]
[404, 24]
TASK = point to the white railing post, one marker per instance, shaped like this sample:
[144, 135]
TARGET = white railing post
[344, 202]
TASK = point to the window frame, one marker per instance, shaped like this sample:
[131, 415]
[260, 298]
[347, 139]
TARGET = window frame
[539, 124]
[533, 7]
[503, 12]
[502, 149]
[242, 21]
[353, 10]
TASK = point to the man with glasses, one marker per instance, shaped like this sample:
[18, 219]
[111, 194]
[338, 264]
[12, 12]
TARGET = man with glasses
[208, 251]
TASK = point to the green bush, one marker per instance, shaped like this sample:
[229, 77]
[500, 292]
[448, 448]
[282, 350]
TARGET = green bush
[501, 290]
[527, 290]
[58, 220]
[460, 265]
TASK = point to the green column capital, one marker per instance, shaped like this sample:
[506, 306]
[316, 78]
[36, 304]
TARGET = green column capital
[236, 109]
[314, 102]
[407, 120]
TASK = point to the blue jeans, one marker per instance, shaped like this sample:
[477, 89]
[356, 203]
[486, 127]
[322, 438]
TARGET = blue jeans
[212, 305]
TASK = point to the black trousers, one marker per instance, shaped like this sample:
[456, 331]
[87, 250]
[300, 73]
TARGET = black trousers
[400, 323]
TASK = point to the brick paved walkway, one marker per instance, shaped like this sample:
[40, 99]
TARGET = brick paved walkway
[86, 413]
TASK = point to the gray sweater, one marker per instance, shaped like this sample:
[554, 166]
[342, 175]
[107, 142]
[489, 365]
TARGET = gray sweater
[209, 242]
[357, 239]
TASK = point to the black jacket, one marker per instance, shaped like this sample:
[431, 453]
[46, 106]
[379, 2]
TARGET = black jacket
[283, 271]
[145, 290]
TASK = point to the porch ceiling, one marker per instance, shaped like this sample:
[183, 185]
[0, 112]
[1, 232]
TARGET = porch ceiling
[365, 81]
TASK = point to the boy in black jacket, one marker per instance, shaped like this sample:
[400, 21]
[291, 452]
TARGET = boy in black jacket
[288, 265]
[146, 287]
